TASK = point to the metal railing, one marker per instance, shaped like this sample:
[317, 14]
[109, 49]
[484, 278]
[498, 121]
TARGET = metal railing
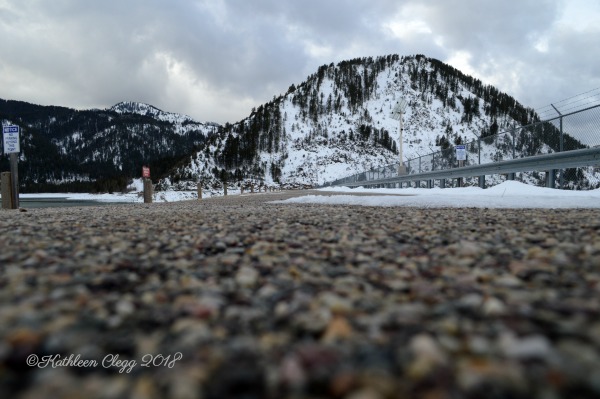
[568, 132]
[548, 163]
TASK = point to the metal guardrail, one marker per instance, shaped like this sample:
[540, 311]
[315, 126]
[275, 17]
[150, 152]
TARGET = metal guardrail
[565, 133]
[546, 162]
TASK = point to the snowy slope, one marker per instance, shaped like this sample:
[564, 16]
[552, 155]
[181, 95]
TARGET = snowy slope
[338, 123]
[183, 123]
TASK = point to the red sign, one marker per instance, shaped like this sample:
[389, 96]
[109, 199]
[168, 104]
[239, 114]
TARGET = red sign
[145, 171]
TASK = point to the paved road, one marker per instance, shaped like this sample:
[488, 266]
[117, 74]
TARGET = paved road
[238, 297]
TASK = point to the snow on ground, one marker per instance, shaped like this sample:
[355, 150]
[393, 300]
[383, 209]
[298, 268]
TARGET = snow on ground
[509, 194]
[120, 197]
[161, 196]
[134, 196]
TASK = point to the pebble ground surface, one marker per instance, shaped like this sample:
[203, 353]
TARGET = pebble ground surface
[237, 297]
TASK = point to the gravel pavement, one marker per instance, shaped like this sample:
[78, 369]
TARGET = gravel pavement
[237, 297]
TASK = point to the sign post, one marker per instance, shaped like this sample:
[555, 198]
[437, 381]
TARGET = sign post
[147, 184]
[11, 141]
[461, 156]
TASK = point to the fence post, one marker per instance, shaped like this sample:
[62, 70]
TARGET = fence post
[561, 150]
[479, 148]
[561, 144]
[512, 136]
[224, 188]
[482, 181]
[199, 188]
[550, 176]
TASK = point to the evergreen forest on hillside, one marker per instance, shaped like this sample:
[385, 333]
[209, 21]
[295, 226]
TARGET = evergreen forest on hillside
[336, 122]
[66, 150]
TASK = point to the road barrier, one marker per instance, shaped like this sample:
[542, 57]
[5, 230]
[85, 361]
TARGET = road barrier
[566, 133]
[548, 163]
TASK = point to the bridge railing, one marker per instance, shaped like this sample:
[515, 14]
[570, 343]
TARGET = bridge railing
[568, 132]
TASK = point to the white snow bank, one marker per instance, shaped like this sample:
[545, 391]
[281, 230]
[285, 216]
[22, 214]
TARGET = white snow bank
[509, 194]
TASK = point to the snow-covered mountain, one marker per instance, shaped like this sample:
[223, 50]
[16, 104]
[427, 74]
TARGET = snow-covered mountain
[183, 123]
[334, 124]
[70, 150]
[338, 122]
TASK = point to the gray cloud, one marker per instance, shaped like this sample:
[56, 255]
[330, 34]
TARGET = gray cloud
[215, 60]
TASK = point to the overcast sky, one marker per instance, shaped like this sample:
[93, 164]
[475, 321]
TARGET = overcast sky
[216, 59]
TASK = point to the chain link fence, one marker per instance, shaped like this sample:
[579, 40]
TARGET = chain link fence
[576, 130]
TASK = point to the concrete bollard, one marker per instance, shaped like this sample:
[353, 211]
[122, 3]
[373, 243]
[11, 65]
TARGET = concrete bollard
[148, 191]
[241, 190]
[7, 202]
[199, 188]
